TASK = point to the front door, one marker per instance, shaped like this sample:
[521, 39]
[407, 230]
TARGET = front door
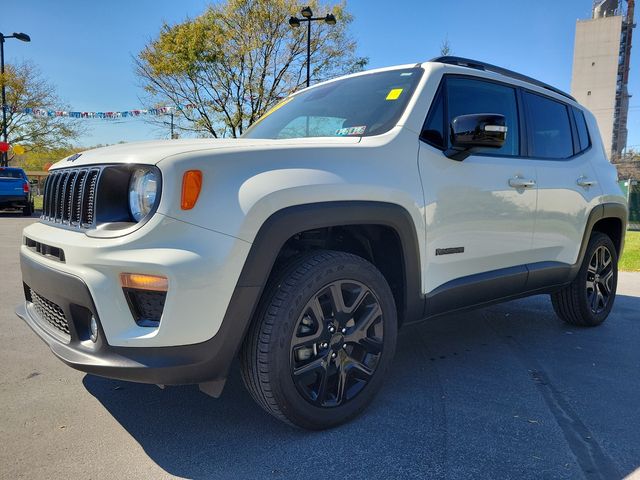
[479, 212]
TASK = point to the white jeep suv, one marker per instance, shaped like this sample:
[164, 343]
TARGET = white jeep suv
[352, 208]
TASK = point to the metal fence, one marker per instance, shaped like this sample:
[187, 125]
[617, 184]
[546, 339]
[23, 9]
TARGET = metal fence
[631, 189]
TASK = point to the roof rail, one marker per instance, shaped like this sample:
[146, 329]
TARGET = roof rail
[467, 62]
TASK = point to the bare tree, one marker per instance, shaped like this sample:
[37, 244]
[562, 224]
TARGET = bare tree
[445, 48]
[26, 88]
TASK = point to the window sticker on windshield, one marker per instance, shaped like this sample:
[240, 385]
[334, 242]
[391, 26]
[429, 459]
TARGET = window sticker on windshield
[406, 74]
[394, 94]
[343, 132]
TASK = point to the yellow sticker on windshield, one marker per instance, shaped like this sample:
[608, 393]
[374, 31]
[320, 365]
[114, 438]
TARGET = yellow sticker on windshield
[394, 94]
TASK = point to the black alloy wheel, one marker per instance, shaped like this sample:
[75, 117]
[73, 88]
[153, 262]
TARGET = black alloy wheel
[599, 279]
[337, 343]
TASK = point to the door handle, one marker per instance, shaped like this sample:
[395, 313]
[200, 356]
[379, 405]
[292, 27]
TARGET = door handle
[519, 182]
[585, 182]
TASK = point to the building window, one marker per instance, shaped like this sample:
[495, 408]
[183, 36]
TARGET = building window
[589, 92]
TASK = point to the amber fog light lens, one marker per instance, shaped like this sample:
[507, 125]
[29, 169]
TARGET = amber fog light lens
[191, 185]
[144, 282]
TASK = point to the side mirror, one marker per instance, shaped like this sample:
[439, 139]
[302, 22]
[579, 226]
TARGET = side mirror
[470, 133]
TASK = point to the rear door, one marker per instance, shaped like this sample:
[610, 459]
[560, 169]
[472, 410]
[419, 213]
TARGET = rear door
[478, 220]
[560, 146]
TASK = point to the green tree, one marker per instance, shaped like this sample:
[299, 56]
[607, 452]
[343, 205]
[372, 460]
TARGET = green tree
[26, 88]
[37, 159]
[238, 59]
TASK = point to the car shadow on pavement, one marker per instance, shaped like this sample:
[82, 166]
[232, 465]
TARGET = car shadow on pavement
[480, 394]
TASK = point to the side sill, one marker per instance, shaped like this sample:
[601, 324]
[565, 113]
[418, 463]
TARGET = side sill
[480, 290]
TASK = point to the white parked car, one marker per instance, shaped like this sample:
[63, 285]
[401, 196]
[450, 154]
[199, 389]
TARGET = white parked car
[352, 208]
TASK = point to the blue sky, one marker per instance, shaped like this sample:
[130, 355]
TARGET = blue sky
[85, 48]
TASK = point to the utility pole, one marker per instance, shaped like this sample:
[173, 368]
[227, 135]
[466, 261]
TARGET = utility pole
[23, 37]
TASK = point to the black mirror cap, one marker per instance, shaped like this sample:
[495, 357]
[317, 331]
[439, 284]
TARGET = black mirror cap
[476, 131]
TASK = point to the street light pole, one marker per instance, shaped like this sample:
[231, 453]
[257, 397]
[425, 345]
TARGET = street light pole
[308, 53]
[5, 159]
[307, 16]
[23, 37]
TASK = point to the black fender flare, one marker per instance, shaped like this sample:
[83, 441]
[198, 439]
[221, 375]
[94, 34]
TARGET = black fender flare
[603, 211]
[285, 223]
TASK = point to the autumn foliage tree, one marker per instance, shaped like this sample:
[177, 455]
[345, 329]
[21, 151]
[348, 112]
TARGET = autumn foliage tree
[239, 58]
[27, 88]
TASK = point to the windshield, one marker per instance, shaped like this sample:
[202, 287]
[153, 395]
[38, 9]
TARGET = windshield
[6, 173]
[364, 105]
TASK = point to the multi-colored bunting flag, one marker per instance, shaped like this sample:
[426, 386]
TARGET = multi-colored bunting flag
[42, 112]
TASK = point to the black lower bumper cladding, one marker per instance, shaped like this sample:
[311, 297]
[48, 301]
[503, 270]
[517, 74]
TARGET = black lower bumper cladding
[208, 361]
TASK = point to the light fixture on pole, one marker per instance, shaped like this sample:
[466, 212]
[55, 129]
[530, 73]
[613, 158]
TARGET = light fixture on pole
[23, 37]
[307, 16]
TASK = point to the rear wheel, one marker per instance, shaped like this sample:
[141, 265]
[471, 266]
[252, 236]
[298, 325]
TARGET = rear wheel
[322, 342]
[588, 300]
[27, 210]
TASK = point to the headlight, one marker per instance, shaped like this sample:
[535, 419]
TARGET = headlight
[143, 189]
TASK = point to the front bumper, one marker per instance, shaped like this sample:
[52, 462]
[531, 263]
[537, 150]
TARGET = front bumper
[208, 361]
[202, 268]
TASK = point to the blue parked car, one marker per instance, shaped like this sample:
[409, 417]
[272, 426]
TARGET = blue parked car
[15, 191]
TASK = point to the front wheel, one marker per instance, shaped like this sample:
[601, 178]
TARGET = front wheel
[588, 300]
[322, 342]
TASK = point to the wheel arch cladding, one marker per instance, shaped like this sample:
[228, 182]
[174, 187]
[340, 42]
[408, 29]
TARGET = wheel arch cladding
[610, 219]
[284, 224]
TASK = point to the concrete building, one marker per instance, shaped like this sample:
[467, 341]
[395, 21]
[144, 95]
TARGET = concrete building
[601, 69]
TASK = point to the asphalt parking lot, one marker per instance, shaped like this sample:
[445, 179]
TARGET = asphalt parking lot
[504, 392]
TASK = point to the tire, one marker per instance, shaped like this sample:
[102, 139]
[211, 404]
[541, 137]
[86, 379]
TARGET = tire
[322, 342]
[587, 301]
[27, 211]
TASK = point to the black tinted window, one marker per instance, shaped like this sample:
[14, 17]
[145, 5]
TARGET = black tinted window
[433, 131]
[581, 125]
[466, 96]
[549, 127]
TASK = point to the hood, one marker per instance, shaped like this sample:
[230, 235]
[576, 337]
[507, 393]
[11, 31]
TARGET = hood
[152, 152]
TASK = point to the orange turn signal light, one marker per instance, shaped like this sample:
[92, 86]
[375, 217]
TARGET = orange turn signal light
[140, 281]
[191, 185]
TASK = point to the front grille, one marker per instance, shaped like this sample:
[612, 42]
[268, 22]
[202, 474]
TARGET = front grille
[70, 195]
[49, 311]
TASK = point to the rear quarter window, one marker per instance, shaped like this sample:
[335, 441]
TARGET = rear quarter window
[581, 127]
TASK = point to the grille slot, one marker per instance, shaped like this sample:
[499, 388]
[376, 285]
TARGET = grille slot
[70, 195]
[44, 249]
[50, 312]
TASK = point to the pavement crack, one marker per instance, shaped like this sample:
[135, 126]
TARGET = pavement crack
[593, 461]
